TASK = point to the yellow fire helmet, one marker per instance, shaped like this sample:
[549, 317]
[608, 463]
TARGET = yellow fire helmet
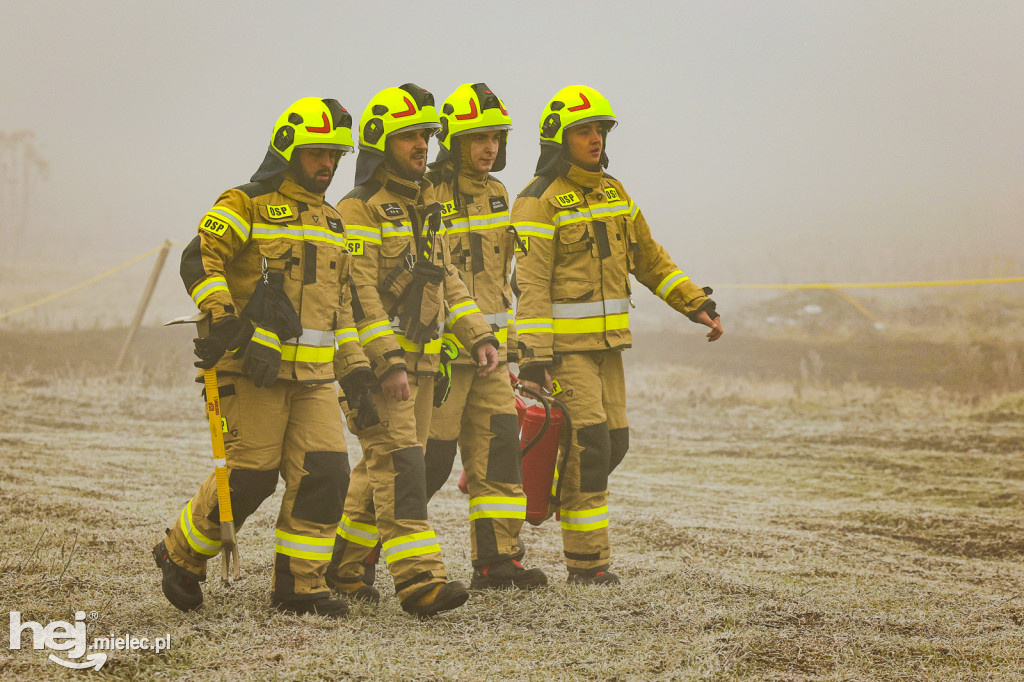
[390, 111]
[311, 122]
[472, 108]
[572, 105]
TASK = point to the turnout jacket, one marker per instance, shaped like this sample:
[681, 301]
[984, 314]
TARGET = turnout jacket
[584, 237]
[386, 221]
[481, 244]
[279, 224]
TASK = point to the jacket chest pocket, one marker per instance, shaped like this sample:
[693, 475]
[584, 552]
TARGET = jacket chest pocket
[277, 253]
[279, 229]
[631, 243]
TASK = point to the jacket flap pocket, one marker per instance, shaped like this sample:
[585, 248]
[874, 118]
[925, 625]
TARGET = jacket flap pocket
[571, 234]
[564, 289]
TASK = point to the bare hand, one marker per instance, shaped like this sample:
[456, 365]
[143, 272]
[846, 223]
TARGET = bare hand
[536, 388]
[395, 385]
[715, 324]
[486, 359]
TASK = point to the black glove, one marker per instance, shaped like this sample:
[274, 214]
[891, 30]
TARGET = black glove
[356, 387]
[220, 340]
[262, 357]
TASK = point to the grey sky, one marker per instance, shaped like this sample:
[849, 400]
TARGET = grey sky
[765, 141]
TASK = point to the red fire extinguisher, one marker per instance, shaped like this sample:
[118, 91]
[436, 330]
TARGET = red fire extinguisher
[540, 429]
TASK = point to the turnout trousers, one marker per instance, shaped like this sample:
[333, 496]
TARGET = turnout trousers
[593, 390]
[479, 418]
[292, 430]
[387, 499]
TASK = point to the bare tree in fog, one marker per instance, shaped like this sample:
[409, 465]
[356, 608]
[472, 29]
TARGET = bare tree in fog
[21, 167]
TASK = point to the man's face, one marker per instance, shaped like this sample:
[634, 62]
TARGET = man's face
[407, 153]
[315, 168]
[585, 142]
[483, 150]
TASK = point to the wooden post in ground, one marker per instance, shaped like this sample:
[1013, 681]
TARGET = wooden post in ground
[161, 257]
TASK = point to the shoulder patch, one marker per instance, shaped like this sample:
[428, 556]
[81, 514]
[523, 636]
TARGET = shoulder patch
[612, 193]
[391, 209]
[447, 208]
[567, 199]
[364, 191]
[539, 185]
[280, 211]
[213, 224]
[498, 204]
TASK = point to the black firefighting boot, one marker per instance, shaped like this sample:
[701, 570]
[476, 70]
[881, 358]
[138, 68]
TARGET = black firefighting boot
[434, 599]
[602, 577]
[507, 574]
[322, 606]
[180, 586]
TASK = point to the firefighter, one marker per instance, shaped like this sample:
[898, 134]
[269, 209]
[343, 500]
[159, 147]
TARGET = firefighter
[478, 413]
[584, 237]
[403, 284]
[271, 266]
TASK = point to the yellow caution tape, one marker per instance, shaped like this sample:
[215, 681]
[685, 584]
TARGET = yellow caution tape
[877, 285]
[80, 285]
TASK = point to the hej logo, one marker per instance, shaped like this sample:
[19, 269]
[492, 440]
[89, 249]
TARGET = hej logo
[59, 635]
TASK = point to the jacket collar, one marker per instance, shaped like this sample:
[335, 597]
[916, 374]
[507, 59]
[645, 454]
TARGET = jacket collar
[294, 190]
[583, 178]
[405, 188]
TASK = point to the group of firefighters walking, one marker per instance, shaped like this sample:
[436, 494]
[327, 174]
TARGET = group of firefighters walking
[406, 295]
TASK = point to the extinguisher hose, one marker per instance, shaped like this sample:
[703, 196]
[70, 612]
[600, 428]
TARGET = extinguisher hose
[547, 417]
[564, 447]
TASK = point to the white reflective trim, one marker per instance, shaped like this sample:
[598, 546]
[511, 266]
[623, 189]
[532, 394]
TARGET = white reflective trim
[236, 221]
[612, 306]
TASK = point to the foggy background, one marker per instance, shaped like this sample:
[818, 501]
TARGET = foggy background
[765, 142]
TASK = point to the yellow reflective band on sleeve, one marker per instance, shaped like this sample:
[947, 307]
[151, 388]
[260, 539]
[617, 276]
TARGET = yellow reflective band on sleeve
[460, 310]
[532, 229]
[414, 544]
[267, 338]
[674, 279]
[363, 534]
[535, 325]
[590, 325]
[584, 520]
[196, 540]
[633, 210]
[303, 547]
[236, 222]
[346, 335]
[367, 233]
[209, 286]
[497, 508]
[313, 354]
[375, 331]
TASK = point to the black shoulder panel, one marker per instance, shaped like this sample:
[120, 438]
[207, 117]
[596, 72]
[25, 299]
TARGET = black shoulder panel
[364, 191]
[256, 189]
[192, 270]
[609, 176]
[539, 185]
[494, 179]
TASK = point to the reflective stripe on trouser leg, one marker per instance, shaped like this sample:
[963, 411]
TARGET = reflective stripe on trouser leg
[255, 426]
[392, 470]
[315, 471]
[489, 441]
[584, 502]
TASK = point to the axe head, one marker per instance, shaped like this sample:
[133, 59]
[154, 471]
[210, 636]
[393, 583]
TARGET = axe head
[200, 319]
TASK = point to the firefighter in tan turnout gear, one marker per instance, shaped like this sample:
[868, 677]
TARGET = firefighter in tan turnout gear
[270, 264]
[403, 282]
[585, 237]
[479, 415]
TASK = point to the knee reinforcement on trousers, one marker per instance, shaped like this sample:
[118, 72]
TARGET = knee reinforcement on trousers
[248, 490]
[620, 445]
[321, 494]
[410, 489]
[439, 459]
[505, 458]
[595, 457]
